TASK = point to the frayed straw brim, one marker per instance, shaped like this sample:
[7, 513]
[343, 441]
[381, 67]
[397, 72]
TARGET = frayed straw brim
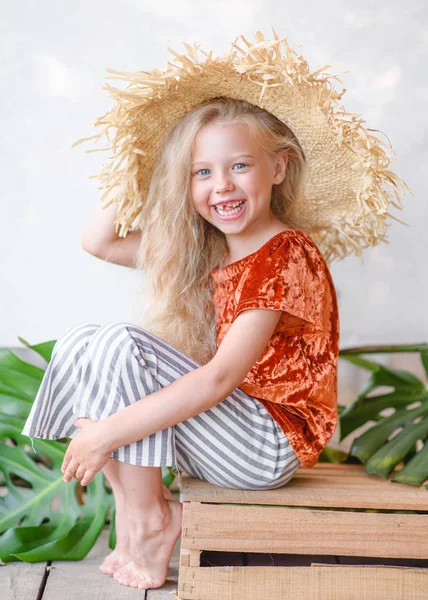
[349, 186]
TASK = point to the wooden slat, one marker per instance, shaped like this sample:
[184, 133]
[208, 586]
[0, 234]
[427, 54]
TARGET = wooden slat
[325, 485]
[288, 560]
[301, 531]
[302, 583]
[70, 580]
[190, 558]
[21, 580]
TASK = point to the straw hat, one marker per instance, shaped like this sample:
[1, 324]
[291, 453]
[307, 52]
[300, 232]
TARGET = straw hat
[345, 196]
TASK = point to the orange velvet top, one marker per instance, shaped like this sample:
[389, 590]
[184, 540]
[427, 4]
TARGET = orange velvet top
[296, 376]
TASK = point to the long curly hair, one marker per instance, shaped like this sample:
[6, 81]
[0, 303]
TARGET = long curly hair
[179, 248]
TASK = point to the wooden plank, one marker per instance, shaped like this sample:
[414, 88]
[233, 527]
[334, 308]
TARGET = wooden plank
[21, 580]
[69, 580]
[324, 485]
[301, 583]
[301, 531]
[288, 560]
[400, 562]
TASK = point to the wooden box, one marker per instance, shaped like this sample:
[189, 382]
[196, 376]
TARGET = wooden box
[309, 540]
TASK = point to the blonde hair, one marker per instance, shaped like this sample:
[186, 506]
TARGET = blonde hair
[179, 248]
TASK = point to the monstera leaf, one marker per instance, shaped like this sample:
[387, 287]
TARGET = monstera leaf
[399, 438]
[41, 517]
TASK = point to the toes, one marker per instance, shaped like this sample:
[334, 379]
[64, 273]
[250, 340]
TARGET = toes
[134, 582]
[112, 563]
[119, 577]
[126, 576]
[109, 570]
[122, 575]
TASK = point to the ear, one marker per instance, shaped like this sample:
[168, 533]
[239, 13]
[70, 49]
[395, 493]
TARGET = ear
[280, 167]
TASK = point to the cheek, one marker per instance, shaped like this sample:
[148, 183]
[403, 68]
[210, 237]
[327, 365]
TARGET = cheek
[199, 195]
[253, 184]
[257, 183]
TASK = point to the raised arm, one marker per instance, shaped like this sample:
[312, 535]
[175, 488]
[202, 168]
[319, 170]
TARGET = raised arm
[101, 240]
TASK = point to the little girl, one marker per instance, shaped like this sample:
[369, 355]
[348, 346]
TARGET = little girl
[247, 392]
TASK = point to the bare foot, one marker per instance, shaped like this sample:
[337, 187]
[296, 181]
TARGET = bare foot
[120, 556]
[151, 550]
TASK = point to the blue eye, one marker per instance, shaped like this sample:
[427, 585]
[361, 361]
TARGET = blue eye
[201, 171]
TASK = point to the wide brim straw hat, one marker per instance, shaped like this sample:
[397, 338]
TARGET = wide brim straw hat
[348, 185]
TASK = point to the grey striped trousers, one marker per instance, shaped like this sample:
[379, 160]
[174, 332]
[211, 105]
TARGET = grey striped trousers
[97, 370]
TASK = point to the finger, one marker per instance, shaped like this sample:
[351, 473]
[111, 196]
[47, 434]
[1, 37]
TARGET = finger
[66, 460]
[80, 472]
[71, 470]
[88, 477]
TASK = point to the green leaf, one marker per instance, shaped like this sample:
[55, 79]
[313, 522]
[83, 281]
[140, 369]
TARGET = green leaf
[44, 349]
[97, 504]
[370, 441]
[167, 476]
[81, 536]
[112, 536]
[11, 427]
[19, 382]
[20, 539]
[332, 455]
[416, 470]
[368, 409]
[69, 540]
[9, 361]
[424, 360]
[31, 506]
[389, 456]
[381, 375]
[8, 391]
[374, 448]
[14, 406]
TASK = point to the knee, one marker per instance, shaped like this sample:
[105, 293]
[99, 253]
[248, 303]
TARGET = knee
[111, 342]
[78, 329]
[109, 333]
[72, 335]
[120, 330]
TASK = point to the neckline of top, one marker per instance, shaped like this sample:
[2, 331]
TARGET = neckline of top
[231, 266]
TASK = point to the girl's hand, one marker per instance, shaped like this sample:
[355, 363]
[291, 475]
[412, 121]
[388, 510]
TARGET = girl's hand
[87, 453]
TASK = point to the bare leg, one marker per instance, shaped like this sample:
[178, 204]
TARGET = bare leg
[154, 525]
[121, 554]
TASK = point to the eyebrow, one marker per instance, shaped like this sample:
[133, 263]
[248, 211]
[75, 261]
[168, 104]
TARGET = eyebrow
[204, 162]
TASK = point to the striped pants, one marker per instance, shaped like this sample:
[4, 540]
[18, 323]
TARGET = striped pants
[97, 370]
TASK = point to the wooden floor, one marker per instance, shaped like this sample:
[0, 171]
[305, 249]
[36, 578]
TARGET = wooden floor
[78, 580]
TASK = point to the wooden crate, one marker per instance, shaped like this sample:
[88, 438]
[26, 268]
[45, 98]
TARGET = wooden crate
[316, 517]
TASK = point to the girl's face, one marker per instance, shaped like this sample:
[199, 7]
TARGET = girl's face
[232, 179]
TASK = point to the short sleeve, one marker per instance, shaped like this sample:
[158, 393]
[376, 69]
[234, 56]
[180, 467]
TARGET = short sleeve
[286, 275]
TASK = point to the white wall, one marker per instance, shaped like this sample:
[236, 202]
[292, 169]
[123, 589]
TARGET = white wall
[54, 62]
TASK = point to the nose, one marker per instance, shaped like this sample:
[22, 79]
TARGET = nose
[222, 184]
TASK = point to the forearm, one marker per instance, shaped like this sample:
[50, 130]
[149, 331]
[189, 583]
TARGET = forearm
[101, 230]
[187, 396]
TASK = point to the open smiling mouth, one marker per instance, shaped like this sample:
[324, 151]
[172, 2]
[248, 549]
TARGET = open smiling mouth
[235, 209]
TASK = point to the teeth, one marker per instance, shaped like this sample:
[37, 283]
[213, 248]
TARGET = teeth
[231, 208]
